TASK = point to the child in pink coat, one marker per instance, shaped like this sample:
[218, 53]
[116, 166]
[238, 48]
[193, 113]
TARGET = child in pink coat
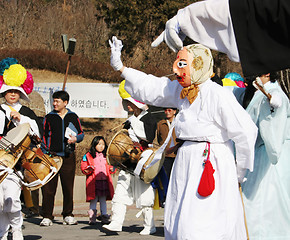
[99, 186]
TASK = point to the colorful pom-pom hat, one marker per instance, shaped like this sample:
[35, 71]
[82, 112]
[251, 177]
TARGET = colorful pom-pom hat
[237, 78]
[15, 76]
[126, 96]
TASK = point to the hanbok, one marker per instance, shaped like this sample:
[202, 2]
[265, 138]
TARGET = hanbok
[267, 189]
[216, 117]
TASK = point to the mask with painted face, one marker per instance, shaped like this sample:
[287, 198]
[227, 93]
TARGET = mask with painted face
[193, 66]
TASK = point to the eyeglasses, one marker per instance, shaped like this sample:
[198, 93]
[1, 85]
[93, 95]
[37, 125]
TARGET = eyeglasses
[181, 64]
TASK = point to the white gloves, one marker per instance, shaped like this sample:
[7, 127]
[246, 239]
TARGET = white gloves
[275, 100]
[116, 48]
[172, 35]
[241, 172]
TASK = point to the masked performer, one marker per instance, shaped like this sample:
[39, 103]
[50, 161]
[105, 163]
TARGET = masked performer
[267, 189]
[209, 118]
[15, 83]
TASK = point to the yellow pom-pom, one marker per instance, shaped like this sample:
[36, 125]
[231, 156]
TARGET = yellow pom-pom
[15, 75]
[228, 82]
[123, 93]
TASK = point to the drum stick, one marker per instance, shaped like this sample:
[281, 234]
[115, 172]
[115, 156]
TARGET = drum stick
[157, 112]
[9, 122]
[110, 130]
[246, 226]
[169, 75]
[260, 87]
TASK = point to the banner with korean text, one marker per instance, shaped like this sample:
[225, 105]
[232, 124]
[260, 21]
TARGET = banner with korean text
[87, 100]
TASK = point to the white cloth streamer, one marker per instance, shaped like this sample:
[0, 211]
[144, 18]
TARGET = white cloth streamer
[158, 154]
[144, 157]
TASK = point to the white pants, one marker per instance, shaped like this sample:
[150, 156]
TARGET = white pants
[10, 204]
[131, 189]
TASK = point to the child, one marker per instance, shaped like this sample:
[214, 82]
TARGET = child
[15, 83]
[99, 186]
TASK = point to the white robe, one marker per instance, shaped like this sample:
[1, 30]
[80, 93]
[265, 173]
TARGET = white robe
[267, 189]
[215, 116]
[130, 188]
[10, 187]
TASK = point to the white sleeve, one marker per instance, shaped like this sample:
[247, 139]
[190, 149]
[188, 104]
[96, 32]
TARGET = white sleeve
[33, 125]
[2, 122]
[160, 92]
[240, 128]
[209, 23]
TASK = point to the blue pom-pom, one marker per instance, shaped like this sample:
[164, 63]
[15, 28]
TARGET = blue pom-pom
[234, 76]
[6, 63]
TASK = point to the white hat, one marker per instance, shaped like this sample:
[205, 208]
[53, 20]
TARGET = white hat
[5, 88]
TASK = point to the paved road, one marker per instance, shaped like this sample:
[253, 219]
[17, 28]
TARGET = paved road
[131, 228]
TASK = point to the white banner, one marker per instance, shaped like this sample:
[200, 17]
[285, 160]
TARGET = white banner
[87, 100]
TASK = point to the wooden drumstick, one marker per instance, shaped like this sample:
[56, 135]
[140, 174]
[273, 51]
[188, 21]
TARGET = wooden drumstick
[259, 85]
[111, 130]
[246, 226]
[8, 124]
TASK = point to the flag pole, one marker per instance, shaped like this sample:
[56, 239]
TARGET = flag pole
[69, 48]
[66, 72]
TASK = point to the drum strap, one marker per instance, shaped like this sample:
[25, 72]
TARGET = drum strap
[38, 181]
[144, 157]
[4, 170]
[12, 109]
[159, 152]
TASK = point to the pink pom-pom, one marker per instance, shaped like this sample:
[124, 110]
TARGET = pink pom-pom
[28, 83]
[240, 84]
[1, 81]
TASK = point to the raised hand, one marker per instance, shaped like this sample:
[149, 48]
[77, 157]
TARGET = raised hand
[116, 48]
[172, 35]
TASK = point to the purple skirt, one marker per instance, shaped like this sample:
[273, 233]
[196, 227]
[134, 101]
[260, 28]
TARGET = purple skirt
[102, 188]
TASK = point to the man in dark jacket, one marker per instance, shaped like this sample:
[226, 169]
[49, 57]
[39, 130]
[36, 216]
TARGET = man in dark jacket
[62, 129]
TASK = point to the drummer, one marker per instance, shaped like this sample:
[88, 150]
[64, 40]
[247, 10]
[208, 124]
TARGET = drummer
[15, 83]
[141, 127]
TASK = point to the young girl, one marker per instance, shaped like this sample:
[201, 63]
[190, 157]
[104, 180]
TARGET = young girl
[99, 186]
